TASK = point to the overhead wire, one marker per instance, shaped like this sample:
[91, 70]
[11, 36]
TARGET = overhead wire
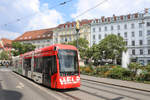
[21, 18]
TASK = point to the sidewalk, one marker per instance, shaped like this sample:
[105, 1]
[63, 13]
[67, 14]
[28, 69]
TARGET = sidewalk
[126, 84]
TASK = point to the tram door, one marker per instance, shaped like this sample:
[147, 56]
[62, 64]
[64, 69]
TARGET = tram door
[47, 62]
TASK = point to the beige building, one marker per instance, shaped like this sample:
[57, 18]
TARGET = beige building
[67, 32]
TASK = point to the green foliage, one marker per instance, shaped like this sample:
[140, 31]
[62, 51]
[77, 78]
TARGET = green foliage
[133, 66]
[119, 73]
[110, 47]
[101, 70]
[82, 46]
[21, 48]
[4, 55]
[144, 76]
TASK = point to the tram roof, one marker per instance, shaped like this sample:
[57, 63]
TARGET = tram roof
[58, 46]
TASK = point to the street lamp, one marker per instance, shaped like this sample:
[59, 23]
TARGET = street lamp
[77, 30]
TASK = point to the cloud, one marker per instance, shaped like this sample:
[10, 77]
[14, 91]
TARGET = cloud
[18, 16]
[45, 18]
[108, 8]
[8, 34]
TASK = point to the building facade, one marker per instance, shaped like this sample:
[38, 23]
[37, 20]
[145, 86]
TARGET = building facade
[5, 44]
[39, 38]
[67, 32]
[134, 28]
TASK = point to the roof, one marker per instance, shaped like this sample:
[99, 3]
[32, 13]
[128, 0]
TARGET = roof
[59, 46]
[73, 24]
[5, 42]
[36, 35]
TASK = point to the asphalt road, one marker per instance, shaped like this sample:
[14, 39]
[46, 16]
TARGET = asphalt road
[16, 87]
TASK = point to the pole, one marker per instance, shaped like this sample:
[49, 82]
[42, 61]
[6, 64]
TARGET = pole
[77, 30]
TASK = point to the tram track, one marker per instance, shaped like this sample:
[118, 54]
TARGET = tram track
[114, 87]
[125, 87]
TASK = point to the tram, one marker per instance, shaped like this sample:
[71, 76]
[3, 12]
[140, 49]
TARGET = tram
[54, 66]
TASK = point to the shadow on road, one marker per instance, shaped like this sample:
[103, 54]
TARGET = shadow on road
[10, 95]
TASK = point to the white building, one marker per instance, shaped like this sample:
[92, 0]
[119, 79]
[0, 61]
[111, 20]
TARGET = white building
[134, 28]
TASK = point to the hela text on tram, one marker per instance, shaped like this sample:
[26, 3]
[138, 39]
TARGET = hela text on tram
[69, 80]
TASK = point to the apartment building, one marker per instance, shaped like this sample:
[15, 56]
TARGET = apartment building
[134, 28]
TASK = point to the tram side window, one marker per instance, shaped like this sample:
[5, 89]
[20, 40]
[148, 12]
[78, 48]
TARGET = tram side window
[27, 64]
[50, 64]
[38, 62]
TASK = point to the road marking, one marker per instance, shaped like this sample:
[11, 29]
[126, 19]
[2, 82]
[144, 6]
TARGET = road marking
[41, 88]
[20, 85]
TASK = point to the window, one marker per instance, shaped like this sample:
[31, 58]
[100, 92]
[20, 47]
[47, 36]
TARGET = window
[27, 64]
[112, 28]
[118, 27]
[118, 34]
[141, 52]
[105, 35]
[148, 42]
[43, 35]
[93, 37]
[140, 33]
[132, 26]
[105, 28]
[133, 43]
[148, 32]
[49, 65]
[99, 36]
[133, 52]
[66, 39]
[141, 42]
[68, 61]
[140, 25]
[93, 29]
[94, 43]
[125, 26]
[148, 51]
[133, 35]
[99, 29]
[126, 43]
[148, 24]
[125, 34]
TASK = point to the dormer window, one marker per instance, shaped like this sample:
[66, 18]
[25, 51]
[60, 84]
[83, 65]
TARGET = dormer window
[43, 35]
[48, 35]
[30, 37]
[25, 37]
[38, 36]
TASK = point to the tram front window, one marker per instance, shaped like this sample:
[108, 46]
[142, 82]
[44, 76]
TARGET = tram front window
[68, 62]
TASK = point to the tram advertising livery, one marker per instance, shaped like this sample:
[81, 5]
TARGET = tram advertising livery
[54, 66]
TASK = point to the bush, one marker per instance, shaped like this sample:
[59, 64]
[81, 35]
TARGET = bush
[100, 70]
[119, 73]
[144, 76]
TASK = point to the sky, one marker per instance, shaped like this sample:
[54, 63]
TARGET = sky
[19, 16]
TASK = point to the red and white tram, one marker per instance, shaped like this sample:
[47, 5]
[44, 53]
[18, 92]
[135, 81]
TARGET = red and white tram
[55, 66]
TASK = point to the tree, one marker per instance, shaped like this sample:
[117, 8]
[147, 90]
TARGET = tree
[21, 48]
[111, 47]
[4, 55]
[82, 46]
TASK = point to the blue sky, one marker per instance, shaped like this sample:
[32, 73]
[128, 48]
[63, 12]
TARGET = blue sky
[38, 14]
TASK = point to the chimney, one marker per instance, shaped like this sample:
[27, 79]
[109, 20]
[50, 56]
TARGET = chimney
[146, 10]
[102, 18]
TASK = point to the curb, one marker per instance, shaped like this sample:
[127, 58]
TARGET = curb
[117, 85]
